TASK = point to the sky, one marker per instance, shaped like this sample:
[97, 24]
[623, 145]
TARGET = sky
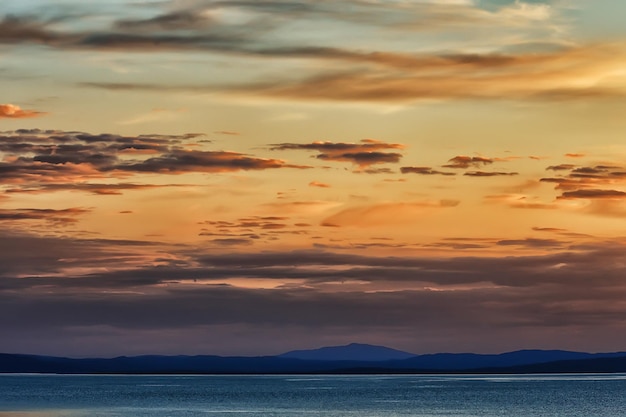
[250, 177]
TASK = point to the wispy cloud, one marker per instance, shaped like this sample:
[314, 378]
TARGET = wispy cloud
[233, 25]
[154, 115]
[521, 201]
[227, 132]
[318, 184]
[572, 74]
[384, 213]
[93, 188]
[261, 30]
[54, 217]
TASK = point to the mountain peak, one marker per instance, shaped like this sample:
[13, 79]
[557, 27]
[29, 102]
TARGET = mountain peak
[350, 352]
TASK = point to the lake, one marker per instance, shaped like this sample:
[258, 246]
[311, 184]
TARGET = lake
[337, 395]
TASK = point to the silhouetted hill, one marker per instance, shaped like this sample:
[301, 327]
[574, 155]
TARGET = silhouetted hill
[351, 352]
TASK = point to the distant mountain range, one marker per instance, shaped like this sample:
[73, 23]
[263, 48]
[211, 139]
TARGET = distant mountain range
[349, 359]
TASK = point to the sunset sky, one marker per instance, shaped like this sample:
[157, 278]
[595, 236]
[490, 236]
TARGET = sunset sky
[250, 177]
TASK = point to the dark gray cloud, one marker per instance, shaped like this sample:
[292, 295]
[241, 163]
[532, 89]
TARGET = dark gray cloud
[424, 171]
[92, 188]
[364, 154]
[178, 20]
[593, 194]
[125, 35]
[363, 158]
[569, 267]
[194, 25]
[31, 255]
[16, 29]
[464, 162]
[380, 170]
[489, 174]
[556, 308]
[53, 217]
[544, 306]
[56, 160]
[149, 288]
[232, 241]
[462, 243]
[534, 243]
[561, 167]
[179, 161]
[601, 184]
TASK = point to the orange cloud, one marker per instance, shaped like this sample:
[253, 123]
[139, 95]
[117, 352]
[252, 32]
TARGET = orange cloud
[11, 111]
[608, 207]
[318, 184]
[384, 213]
[300, 207]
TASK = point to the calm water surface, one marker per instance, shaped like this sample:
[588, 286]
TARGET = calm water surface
[282, 396]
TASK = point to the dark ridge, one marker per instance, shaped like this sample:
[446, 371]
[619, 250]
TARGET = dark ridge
[524, 361]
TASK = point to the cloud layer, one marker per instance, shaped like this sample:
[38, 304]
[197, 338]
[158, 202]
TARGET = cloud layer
[557, 69]
[36, 160]
[395, 295]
